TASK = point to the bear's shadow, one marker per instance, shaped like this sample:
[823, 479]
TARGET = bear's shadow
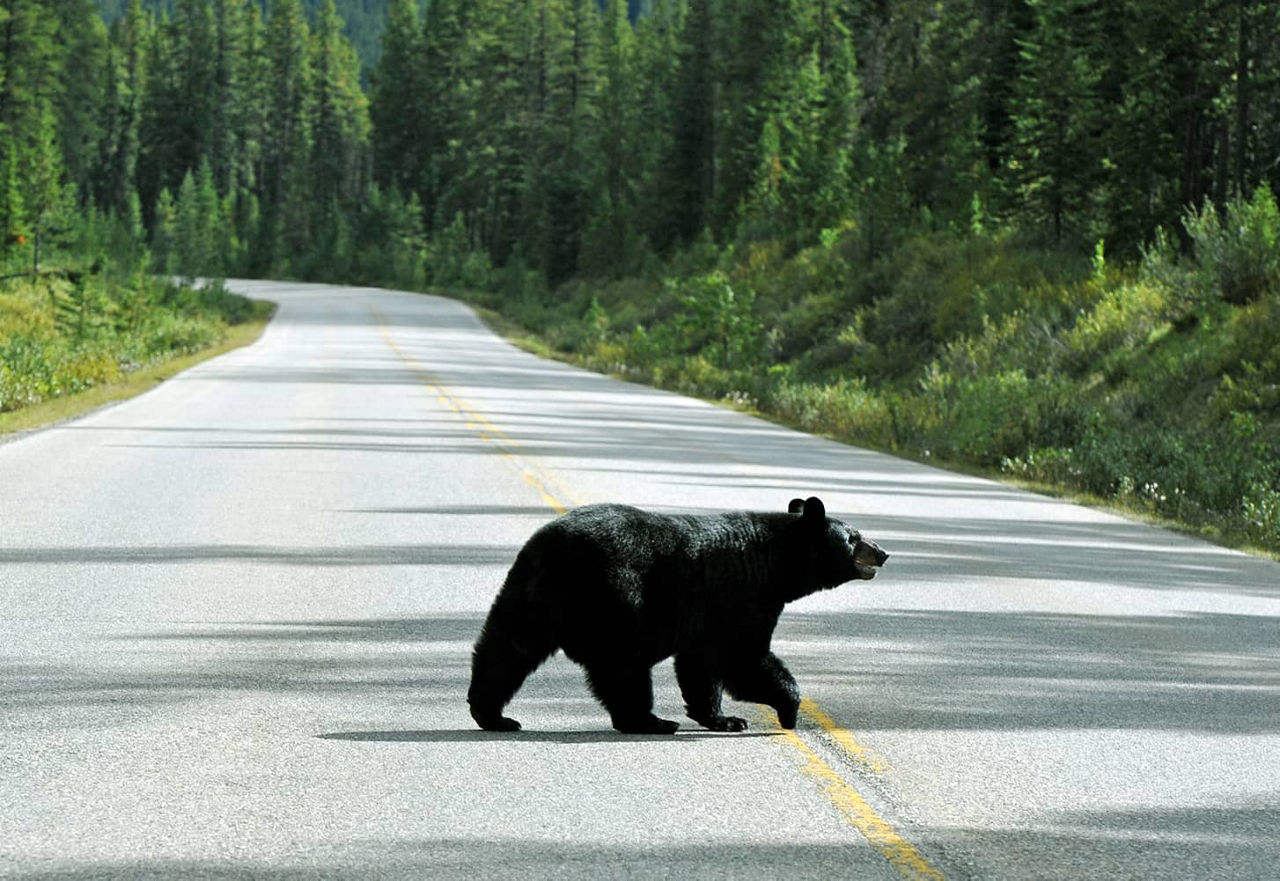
[461, 735]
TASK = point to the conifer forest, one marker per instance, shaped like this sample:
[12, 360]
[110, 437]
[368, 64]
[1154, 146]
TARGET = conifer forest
[1035, 237]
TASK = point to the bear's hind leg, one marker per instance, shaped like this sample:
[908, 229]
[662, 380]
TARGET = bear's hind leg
[766, 681]
[504, 656]
[627, 693]
[702, 691]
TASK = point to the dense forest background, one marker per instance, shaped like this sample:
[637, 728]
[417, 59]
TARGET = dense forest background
[363, 22]
[1036, 235]
[558, 134]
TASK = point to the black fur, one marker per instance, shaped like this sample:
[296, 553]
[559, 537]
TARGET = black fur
[620, 589]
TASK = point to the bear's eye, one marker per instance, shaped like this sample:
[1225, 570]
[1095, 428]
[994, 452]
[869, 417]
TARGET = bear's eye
[854, 538]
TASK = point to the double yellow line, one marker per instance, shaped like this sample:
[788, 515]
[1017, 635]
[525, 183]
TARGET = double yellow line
[477, 422]
[856, 811]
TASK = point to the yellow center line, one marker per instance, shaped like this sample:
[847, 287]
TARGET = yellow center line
[879, 833]
[843, 738]
[473, 420]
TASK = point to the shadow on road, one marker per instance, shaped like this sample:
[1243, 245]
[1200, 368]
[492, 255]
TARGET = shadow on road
[459, 735]
[953, 670]
[279, 555]
[1189, 843]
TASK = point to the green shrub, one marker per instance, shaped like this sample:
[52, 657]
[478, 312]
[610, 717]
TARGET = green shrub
[1238, 250]
[1260, 511]
[477, 271]
[18, 389]
[84, 369]
[173, 335]
[1124, 318]
[716, 321]
[846, 409]
[992, 417]
[24, 314]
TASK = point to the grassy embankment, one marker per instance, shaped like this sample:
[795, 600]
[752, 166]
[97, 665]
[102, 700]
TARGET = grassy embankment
[1152, 386]
[70, 343]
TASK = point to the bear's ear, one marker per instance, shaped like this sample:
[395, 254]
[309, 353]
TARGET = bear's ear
[814, 510]
[796, 506]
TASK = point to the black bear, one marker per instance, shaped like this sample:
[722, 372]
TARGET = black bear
[619, 589]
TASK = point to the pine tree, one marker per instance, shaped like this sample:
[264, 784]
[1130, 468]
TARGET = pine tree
[124, 71]
[28, 80]
[79, 95]
[657, 70]
[443, 107]
[1056, 158]
[762, 45]
[288, 136]
[340, 131]
[691, 186]
[564, 147]
[610, 246]
[46, 201]
[398, 105]
[196, 55]
[13, 214]
[250, 117]
[164, 234]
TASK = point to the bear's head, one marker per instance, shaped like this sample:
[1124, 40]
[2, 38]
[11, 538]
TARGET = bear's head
[836, 551]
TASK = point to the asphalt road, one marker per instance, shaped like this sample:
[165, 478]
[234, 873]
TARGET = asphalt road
[237, 614]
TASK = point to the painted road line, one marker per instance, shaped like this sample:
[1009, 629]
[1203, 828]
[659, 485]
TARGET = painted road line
[473, 420]
[880, 834]
[843, 738]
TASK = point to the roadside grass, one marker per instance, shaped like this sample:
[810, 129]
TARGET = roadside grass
[72, 406]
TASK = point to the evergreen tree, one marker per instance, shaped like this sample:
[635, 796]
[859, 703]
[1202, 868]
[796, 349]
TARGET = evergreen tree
[340, 131]
[443, 40]
[610, 237]
[79, 93]
[1055, 166]
[398, 102]
[287, 140]
[691, 185]
[657, 71]
[28, 81]
[124, 71]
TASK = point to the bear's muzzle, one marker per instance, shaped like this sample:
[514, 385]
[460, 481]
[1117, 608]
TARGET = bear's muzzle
[867, 558]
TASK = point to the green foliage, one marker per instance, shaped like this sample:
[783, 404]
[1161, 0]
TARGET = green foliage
[715, 321]
[59, 336]
[1237, 251]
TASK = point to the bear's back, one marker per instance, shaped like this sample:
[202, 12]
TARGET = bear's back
[636, 550]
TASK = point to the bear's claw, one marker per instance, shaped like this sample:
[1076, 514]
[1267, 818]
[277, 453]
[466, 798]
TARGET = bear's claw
[726, 723]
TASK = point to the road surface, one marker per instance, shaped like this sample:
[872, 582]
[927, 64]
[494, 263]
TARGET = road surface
[238, 610]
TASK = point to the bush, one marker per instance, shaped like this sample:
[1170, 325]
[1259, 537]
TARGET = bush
[174, 335]
[1124, 318]
[1260, 510]
[846, 409]
[716, 321]
[1238, 251]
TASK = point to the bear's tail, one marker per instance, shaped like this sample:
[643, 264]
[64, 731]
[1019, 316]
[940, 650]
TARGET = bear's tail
[514, 641]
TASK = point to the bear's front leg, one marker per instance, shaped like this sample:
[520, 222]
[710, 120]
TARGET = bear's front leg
[766, 681]
[702, 691]
[626, 690]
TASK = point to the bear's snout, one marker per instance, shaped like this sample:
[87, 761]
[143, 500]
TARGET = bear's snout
[871, 553]
[868, 557]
